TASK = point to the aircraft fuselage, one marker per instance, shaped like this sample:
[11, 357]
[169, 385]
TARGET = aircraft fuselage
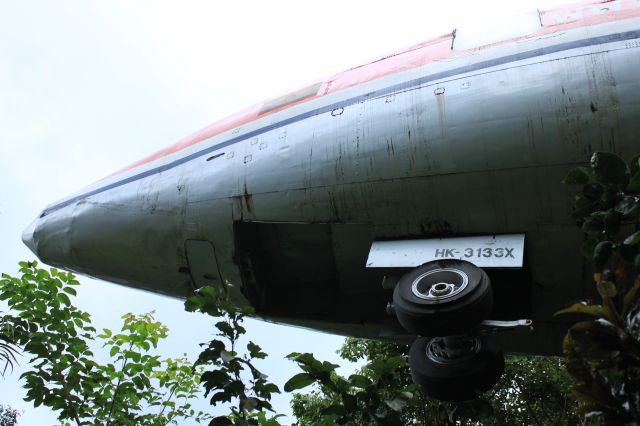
[283, 200]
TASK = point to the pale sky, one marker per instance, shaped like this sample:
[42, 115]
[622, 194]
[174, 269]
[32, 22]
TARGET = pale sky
[87, 87]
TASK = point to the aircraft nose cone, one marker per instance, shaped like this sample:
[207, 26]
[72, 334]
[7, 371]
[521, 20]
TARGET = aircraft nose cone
[28, 237]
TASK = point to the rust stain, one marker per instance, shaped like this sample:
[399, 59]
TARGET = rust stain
[531, 137]
[333, 206]
[390, 147]
[442, 122]
[248, 199]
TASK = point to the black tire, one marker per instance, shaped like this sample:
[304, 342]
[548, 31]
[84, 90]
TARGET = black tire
[456, 380]
[453, 314]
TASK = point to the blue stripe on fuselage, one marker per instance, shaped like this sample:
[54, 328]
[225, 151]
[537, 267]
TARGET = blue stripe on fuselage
[629, 35]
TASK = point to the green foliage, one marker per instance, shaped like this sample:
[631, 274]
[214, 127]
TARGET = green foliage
[8, 416]
[608, 210]
[533, 390]
[63, 373]
[8, 351]
[364, 398]
[231, 377]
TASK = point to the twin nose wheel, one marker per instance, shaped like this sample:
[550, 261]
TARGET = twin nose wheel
[445, 300]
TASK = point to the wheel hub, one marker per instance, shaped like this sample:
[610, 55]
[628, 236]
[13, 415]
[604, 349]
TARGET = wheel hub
[439, 284]
[452, 349]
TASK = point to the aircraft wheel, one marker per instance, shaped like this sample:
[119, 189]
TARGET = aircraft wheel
[443, 298]
[455, 373]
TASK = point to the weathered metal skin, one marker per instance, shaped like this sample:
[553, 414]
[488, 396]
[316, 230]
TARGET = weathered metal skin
[474, 145]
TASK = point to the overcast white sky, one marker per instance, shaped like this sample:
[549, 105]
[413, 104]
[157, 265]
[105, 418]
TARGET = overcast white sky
[88, 87]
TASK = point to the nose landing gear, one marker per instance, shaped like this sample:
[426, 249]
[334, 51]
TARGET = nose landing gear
[455, 368]
[443, 298]
[449, 300]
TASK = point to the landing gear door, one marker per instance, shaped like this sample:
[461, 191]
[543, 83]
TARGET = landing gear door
[203, 264]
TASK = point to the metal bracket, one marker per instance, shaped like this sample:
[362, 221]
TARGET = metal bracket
[493, 327]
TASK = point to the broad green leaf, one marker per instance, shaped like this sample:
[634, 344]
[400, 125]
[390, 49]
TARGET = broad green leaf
[395, 362]
[114, 350]
[193, 304]
[221, 421]
[396, 404]
[227, 356]
[600, 328]
[40, 305]
[269, 388]
[303, 358]
[634, 184]
[248, 404]
[329, 366]
[64, 299]
[359, 380]
[299, 381]
[631, 297]
[593, 191]
[350, 402]
[582, 207]
[577, 176]
[208, 292]
[225, 328]
[632, 239]
[215, 378]
[610, 168]
[602, 253]
[70, 290]
[607, 289]
[583, 308]
[594, 224]
[634, 164]
[627, 206]
[333, 410]
[255, 351]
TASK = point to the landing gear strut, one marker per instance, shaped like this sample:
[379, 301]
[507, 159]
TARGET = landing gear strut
[449, 300]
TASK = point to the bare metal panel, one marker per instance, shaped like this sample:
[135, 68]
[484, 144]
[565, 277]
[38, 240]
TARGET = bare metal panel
[290, 98]
[203, 265]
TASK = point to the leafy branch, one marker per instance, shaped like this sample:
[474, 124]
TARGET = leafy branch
[365, 398]
[231, 377]
[608, 210]
[63, 374]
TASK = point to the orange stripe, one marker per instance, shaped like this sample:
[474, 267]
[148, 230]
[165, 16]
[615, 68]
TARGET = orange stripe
[566, 17]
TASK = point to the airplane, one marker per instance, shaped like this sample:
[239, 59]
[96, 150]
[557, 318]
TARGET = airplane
[418, 194]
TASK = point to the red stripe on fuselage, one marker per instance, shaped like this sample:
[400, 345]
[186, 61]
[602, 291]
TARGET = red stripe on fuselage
[562, 18]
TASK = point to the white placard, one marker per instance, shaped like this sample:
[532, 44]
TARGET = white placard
[492, 251]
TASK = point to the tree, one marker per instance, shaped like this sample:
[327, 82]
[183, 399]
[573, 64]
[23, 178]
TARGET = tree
[608, 209]
[8, 416]
[135, 388]
[533, 390]
[231, 377]
[362, 398]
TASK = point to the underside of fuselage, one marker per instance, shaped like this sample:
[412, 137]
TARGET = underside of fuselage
[285, 208]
